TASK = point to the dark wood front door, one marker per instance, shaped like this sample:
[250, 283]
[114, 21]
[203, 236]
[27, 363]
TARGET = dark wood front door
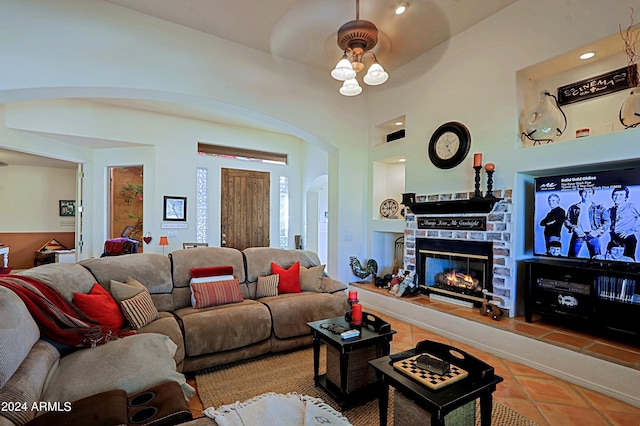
[245, 209]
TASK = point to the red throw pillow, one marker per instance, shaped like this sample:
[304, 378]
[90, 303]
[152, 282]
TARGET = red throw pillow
[289, 278]
[100, 306]
[211, 271]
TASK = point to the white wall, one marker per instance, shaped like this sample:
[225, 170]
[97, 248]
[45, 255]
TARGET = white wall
[30, 198]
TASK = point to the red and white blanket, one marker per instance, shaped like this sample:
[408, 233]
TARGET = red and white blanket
[57, 318]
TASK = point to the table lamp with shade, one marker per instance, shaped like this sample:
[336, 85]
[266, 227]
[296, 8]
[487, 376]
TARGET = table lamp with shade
[164, 241]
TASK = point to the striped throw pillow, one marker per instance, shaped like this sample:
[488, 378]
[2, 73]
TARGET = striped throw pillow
[206, 280]
[139, 309]
[216, 293]
[267, 286]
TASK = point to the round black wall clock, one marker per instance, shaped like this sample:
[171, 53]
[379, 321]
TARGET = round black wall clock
[449, 145]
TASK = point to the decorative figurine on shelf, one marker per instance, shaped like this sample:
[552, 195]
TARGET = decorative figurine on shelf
[630, 110]
[404, 283]
[491, 308]
[546, 122]
[361, 271]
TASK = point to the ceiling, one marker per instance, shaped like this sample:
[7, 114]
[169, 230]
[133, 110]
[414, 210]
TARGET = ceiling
[304, 31]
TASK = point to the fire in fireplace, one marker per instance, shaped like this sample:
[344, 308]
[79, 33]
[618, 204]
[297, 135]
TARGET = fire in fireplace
[458, 280]
[455, 268]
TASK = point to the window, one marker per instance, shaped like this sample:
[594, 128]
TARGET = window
[284, 212]
[202, 206]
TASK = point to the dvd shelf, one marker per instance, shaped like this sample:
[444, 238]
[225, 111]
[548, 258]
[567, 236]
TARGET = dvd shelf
[596, 295]
[620, 289]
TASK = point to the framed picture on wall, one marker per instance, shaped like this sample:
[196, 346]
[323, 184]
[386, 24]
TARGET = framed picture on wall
[67, 207]
[175, 208]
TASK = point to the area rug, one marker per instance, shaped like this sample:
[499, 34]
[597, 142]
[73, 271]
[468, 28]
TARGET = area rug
[293, 372]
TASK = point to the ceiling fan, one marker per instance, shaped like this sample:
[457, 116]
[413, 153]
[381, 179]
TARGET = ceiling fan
[356, 38]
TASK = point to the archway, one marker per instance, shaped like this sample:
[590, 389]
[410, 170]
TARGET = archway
[318, 217]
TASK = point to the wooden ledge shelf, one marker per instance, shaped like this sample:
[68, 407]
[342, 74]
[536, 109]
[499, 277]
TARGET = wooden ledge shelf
[472, 205]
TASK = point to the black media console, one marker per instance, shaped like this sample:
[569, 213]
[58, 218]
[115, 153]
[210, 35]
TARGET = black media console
[599, 295]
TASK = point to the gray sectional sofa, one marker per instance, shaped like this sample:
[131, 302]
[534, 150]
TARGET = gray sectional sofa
[182, 339]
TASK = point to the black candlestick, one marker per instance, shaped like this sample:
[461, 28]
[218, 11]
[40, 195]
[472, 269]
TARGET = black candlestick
[490, 184]
[477, 193]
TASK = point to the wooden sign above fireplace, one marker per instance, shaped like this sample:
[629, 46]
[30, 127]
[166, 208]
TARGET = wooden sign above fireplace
[471, 223]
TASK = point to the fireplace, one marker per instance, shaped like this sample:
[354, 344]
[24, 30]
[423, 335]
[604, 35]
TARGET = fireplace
[456, 232]
[458, 269]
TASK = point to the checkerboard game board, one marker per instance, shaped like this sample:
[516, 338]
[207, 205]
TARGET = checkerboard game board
[425, 377]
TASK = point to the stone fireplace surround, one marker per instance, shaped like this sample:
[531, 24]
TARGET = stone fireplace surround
[498, 231]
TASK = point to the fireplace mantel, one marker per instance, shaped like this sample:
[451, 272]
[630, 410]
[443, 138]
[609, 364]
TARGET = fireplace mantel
[472, 205]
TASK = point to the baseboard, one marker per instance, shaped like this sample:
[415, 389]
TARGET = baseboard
[592, 373]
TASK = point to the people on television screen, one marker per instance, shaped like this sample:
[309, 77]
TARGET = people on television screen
[625, 221]
[615, 251]
[553, 221]
[555, 248]
[586, 222]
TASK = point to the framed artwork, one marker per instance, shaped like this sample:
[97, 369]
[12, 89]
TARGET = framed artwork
[67, 207]
[175, 208]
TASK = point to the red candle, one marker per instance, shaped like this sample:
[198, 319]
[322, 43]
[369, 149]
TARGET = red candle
[356, 314]
[353, 296]
[490, 167]
[477, 160]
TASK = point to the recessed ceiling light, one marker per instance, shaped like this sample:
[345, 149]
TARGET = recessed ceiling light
[399, 123]
[402, 160]
[400, 7]
[587, 55]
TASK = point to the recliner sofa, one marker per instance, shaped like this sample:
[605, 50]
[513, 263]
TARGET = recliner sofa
[183, 339]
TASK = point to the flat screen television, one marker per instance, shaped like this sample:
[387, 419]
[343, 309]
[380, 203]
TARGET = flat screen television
[588, 215]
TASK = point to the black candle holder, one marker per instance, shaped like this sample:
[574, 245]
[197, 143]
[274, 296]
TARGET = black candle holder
[477, 193]
[490, 184]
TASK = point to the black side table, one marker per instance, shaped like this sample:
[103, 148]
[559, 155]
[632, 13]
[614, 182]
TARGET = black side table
[480, 383]
[352, 385]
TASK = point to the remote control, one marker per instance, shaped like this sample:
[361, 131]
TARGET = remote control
[432, 364]
[402, 355]
[349, 334]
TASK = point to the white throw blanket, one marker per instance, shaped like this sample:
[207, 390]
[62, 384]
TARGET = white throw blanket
[277, 409]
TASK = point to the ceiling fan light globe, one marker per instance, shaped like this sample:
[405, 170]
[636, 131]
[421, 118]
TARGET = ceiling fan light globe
[343, 70]
[357, 66]
[376, 75]
[350, 88]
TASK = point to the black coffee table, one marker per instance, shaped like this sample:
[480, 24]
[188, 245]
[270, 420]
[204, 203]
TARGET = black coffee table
[480, 383]
[353, 356]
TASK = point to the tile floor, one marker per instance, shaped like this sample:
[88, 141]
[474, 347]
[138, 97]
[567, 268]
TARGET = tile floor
[536, 395]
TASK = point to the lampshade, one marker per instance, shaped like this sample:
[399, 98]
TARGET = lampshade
[350, 88]
[343, 70]
[375, 75]
[164, 241]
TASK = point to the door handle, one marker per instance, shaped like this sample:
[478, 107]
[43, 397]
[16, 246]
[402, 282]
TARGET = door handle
[223, 241]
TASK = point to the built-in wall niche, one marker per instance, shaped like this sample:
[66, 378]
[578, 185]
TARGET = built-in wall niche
[388, 251]
[388, 177]
[390, 131]
[598, 114]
